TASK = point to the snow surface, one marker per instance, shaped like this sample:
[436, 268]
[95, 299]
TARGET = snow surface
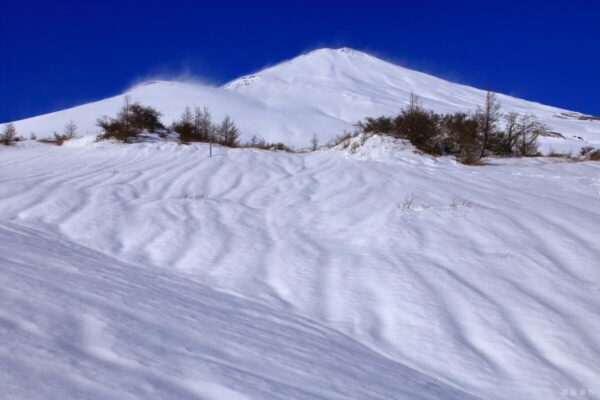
[363, 272]
[323, 92]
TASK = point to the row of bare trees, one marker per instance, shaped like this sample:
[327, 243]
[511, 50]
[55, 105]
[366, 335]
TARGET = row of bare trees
[197, 126]
[193, 126]
[470, 136]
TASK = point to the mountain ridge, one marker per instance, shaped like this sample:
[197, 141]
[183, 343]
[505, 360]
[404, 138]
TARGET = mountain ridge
[323, 92]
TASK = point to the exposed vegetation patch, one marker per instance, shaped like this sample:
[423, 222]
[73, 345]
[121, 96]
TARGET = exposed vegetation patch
[468, 136]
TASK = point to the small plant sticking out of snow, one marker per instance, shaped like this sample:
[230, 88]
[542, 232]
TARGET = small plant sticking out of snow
[258, 143]
[460, 203]
[70, 130]
[314, 142]
[434, 383]
[191, 197]
[408, 202]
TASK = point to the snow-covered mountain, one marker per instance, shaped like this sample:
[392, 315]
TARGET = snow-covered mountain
[152, 270]
[323, 92]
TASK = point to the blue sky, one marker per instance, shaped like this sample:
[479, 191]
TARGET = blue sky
[56, 54]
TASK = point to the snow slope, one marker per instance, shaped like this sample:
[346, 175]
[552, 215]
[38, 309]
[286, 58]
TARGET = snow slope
[153, 271]
[77, 324]
[323, 92]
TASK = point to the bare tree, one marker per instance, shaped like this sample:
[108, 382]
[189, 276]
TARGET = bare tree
[186, 116]
[70, 130]
[314, 142]
[227, 133]
[528, 131]
[254, 141]
[203, 125]
[520, 135]
[9, 134]
[414, 103]
[511, 133]
[488, 117]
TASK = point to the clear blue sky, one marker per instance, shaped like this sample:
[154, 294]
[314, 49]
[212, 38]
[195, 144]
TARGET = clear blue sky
[55, 54]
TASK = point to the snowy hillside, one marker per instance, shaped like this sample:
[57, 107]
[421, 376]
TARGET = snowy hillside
[82, 325]
[323, 92]
[150, 271]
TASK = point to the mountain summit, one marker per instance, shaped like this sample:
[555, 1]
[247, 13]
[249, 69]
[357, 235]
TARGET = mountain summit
[322, 92]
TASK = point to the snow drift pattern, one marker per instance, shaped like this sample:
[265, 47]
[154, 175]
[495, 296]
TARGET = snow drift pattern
[153, 271]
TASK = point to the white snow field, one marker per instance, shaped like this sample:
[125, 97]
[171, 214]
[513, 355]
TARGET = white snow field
[151, 271]
[323, 92]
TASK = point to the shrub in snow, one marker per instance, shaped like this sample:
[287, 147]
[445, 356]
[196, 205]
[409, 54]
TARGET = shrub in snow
[594, 155]
[420, 127]
[131, 120]
[380, 124]
[257, 143]
[460, 137]
[68, 134]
